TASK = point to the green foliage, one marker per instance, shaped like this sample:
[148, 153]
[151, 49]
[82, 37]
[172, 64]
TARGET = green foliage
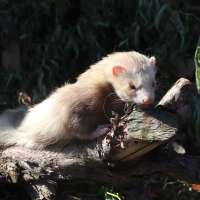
[195, 124]
[197, 67]
[112, 196]
[167, 188]
[109, 194]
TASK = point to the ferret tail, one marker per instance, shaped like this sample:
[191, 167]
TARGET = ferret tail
[17, 137]
[10, 133]
[8, 137]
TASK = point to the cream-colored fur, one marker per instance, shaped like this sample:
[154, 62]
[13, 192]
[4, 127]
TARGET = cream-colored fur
[60, 117]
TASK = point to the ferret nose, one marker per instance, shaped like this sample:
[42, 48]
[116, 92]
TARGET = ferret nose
[147, 102]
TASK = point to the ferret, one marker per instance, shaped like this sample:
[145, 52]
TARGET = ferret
[80, 110]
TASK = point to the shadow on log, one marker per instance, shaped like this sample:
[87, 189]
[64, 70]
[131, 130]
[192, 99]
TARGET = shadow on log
[113, 159]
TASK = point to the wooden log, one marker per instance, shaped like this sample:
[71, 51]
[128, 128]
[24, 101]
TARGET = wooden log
[179, 98]
[144, 130]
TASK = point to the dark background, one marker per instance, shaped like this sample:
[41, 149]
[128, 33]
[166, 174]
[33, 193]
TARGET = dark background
[44, 43]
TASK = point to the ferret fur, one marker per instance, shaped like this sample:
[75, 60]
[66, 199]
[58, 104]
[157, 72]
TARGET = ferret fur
[75, 110]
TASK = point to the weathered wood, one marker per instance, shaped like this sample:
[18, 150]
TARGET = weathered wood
[40, 175]
[144, 131]
[173, 97]
[178, 99]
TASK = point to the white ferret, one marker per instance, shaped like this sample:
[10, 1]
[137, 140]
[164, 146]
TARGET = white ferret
[78, 110]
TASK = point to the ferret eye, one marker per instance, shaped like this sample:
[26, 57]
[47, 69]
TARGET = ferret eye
[132, 86]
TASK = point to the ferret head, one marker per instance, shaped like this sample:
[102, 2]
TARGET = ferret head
[132, 76]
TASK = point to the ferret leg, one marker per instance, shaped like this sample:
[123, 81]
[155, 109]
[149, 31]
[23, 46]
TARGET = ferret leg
[101, 130]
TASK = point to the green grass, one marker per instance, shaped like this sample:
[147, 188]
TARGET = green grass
[167, 188]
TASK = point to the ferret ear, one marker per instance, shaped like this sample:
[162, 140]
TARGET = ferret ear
[116, 70]
[152, 60]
